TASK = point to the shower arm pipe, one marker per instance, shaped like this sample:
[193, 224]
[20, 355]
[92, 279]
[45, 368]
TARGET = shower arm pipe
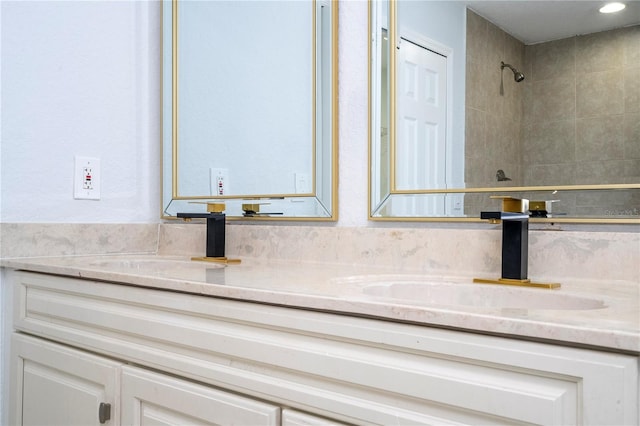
[502, 65]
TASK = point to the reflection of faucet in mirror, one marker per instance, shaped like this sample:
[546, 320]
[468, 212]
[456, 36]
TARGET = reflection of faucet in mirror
[515, 243]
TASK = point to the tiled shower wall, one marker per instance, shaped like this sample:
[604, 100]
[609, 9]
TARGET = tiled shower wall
[581, 115]
[493, 116]
[575, 119]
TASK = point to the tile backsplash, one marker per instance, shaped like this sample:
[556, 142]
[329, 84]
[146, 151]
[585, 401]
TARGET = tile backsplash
[62, 239]
[553, 254]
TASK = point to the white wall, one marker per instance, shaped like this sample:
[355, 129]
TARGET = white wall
[80, 78]
[353, 113]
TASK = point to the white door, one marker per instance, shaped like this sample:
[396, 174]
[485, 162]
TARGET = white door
[160, 400]
[421, 125]
[57, 385]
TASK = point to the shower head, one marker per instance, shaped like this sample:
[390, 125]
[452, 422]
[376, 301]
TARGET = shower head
[517, 75]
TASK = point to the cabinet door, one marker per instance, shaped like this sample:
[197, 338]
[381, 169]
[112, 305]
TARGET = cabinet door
[296, 418]
[57, 385]
[156, 399]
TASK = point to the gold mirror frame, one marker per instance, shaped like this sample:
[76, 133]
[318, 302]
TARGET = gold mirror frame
[399, 194]
[324, 177]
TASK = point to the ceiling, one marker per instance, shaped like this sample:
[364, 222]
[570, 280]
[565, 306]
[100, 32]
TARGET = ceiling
[537, 21]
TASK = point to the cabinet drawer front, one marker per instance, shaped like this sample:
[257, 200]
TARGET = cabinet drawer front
[354, 370]
[296, 418]
[151, 398]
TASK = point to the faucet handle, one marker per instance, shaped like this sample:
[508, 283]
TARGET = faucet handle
[212, 207]
[513, 205]
[215, 207]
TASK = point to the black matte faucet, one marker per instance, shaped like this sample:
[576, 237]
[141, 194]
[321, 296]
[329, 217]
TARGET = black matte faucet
[215, 231]
[515, 243]
[216, 221]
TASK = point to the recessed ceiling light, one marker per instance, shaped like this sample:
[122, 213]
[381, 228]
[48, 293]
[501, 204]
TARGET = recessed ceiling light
[612, 7]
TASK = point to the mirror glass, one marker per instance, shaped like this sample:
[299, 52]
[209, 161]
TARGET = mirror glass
[249, 107]
[462, 110]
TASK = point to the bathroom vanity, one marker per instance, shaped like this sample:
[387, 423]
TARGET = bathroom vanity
[131, 340]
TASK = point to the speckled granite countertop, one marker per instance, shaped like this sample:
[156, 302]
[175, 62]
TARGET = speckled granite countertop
[598, 314]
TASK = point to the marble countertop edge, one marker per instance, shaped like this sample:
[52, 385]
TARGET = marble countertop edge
[337, 289]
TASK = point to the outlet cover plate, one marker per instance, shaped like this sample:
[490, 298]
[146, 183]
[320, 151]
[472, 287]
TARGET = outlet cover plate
[219, 181]
[86, 181]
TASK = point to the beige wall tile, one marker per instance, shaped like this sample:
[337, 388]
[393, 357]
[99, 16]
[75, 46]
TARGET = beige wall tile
[476, 36]
[599, 93]
[554, 59]
[601, 51]
[475, 134]
[632, 136]
[477, 91]
[600, 138]
[551, 174]
[549, 142]
[631, 46]
[554, 99]
[631, 89]
[600, 172]
[631, 173]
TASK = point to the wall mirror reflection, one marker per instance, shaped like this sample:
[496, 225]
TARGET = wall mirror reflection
[249, 107]
[538, 100]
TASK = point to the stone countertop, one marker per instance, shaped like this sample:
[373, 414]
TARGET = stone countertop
[586, 313]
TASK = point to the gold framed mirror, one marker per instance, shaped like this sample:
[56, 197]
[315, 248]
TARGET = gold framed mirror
[249, 108]
[588, 166]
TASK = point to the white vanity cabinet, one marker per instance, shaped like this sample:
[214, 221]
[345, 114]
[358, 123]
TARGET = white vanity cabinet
[60, 385]
[312, 368]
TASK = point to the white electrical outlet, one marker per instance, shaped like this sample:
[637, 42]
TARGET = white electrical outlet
[219, 181]
[86, 183]
[302, 183]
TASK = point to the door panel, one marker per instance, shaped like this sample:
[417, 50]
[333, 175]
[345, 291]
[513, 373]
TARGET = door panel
[420, 161]
[155, 399]
[61, 386]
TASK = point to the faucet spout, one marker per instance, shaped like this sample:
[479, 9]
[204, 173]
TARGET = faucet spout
[497, 216]
[515, 237]
[515, 249]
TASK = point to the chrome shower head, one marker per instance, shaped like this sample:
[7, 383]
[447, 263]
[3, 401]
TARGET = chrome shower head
[517, 75]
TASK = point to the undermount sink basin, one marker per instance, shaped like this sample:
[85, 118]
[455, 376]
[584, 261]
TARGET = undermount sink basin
[479, 296]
